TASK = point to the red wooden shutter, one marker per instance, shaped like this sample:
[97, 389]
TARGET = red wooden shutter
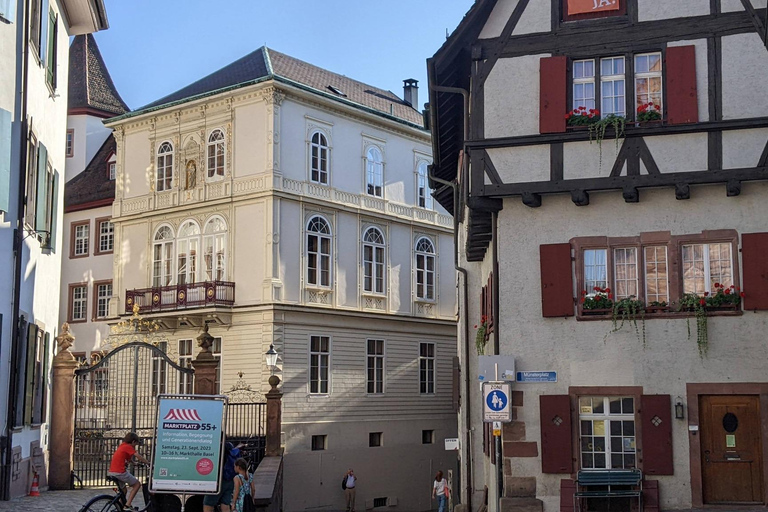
[556, 444]
[552, 94]
[682, 103]
[656, 420]
[567, 490]
[556, 280]
[754, 247]
[651, 496]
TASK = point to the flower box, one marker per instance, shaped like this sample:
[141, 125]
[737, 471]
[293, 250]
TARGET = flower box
[596, 312]
[656, 309]
[724, 307]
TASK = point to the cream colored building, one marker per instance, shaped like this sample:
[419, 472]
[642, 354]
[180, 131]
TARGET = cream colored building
[286, 205]
[665, 222]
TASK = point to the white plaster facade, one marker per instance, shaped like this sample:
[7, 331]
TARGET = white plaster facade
[39, 108]
[266, 198]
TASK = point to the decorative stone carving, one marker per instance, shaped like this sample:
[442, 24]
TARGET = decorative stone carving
[191, 175]
[272, 96]
[64, 341]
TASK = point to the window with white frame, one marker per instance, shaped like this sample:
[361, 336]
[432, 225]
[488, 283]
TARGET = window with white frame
[159, 370]
[70, 148]
[318, 252]
[164, 167]
[422, 187]
[214, 249]
[648, 82]
[584, 84]
[112, 170]
[426, 368]
[319, 361]
[374, 264]
[595, 269]
[707, 264]
[185, 361]
[656, 275]
[612, 86]
[103, 295]
[82, 234]
[216, 352]
[162, 257]
[607, 432]
[625, 272]
[187, 251]
[78, 303]
[375, 366]
[216, 154]
[425, 269]
[374, 172]
[318, 167]
[106, 236]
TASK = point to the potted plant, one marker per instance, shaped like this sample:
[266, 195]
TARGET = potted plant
[599, 302]
[656, 306]
[597, 125]
[481, 337]
[724, 298]
[581, 117]
[648, 113]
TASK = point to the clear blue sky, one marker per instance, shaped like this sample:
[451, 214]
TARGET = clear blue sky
[153, 48]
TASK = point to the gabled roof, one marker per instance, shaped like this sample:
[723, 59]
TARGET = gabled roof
[90, 86]
[265, 64]
[92, 187]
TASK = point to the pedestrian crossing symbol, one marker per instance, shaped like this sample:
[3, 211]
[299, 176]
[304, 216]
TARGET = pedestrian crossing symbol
[496, 401]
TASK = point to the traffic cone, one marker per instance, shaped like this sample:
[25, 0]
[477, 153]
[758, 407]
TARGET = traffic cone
[35, 491]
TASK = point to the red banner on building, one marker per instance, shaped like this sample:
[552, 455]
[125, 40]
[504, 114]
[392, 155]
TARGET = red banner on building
[586, 6]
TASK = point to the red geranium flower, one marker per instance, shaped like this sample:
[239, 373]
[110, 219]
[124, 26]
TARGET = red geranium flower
[717, 285]
[610, 295]
[706, 294]
[583, 292]
[582, 300]
[727, 291]
[702, 302]
[607, 290]
[742, 294]
[597, 288]
[475, 326]
[733, 286]
[567, 116]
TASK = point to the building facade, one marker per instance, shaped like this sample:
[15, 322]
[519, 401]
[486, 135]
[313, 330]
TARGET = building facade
[33, 109]
[284, 205]
[632, 267]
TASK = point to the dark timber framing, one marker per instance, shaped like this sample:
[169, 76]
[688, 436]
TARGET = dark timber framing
[467, 61]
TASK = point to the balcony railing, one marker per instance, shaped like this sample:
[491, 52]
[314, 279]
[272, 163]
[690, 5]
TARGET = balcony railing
[181, 296]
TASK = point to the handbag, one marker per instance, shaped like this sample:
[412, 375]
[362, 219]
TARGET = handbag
[344, 484]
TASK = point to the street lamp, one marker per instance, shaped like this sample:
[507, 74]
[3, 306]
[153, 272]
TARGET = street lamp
[271, 358]
[679, 409]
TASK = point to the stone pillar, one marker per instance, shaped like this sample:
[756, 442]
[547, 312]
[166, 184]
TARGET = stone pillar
[205, 366]
[274, 418]
[62, 413]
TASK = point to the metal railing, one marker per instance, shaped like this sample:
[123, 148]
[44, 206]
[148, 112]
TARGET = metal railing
[181, 296]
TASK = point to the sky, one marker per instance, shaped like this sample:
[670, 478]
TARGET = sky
[155, 47]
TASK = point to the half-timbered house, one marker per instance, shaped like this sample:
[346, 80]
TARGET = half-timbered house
[606, 162]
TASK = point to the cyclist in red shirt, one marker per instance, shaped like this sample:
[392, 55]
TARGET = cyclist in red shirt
[118, 468]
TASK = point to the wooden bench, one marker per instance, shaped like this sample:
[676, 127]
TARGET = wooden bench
[609, 483]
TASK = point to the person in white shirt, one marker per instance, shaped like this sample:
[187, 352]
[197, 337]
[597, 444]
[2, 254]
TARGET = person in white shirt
[441, 491]
[349, 490]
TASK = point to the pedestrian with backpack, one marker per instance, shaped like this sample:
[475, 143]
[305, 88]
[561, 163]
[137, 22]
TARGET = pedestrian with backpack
[224, 498]
[243, 493]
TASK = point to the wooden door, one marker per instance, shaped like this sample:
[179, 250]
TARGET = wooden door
[731, 449]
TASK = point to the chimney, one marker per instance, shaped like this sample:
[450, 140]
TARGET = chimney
[411, 92]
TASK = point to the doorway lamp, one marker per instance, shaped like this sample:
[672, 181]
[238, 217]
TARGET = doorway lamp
[271, 358]
[679, 408]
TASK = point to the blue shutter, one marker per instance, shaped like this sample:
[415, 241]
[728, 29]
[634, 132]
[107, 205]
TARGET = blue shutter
[40, 189]
[43, 30]
[54, 211]
[6, 126]
[8, 10]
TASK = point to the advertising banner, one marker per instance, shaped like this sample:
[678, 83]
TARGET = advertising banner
[584, 6]
[188, 448]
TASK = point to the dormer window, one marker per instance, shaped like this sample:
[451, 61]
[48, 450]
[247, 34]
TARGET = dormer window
[112, 167]
[337, 91]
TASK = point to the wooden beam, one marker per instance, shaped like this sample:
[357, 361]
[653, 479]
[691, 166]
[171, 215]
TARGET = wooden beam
[759, 27]
[493, 55]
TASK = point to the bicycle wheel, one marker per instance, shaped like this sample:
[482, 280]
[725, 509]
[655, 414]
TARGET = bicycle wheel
[103, 503]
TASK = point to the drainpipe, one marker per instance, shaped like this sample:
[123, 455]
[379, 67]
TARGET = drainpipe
[495, 298]
[18, 241]
[460, 269]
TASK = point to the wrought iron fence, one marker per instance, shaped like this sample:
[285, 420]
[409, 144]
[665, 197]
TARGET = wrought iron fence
[183, 296]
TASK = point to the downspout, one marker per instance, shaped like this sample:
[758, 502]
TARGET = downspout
[460, 269]
[17, 259]
[495, 298]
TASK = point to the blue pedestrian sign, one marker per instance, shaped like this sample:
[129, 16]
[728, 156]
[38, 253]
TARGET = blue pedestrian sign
[496, 402]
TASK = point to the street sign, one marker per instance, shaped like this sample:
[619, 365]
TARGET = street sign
[494, 368]
[497, 428]
[188, 448]
[496, 401]
[452, 443]
[537, 376]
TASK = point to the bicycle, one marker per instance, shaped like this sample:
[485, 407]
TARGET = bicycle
[116, 502]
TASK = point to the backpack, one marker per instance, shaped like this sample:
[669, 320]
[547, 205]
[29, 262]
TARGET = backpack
[344, 483]
[228, 471]
[248, 505]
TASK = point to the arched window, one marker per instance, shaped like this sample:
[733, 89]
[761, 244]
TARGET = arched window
[374, 172]
[216, 154]
[374, 266]
[187, 251]
[319, 158]
[425, 269]
[162, 257]
[422, 187]
[214, 249]
[164, 166]
[318, 252]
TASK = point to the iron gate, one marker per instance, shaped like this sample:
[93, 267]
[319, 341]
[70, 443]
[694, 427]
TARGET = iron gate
[117, 395]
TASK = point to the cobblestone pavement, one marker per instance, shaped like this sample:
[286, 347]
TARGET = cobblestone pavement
[64, 501]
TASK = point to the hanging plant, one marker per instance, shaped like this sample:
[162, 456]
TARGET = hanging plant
[723, 298]
[597, 131]
[629, 310]
[481, 338]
